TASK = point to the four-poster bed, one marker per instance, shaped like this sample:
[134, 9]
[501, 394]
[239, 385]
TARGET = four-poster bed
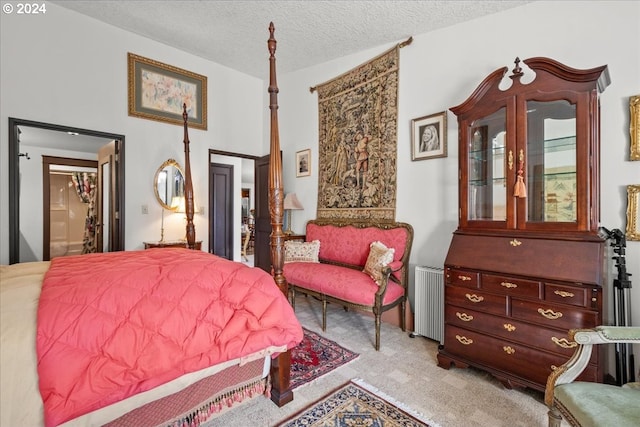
[152, 337]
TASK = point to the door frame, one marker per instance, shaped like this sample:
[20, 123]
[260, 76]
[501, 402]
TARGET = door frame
[14, 179]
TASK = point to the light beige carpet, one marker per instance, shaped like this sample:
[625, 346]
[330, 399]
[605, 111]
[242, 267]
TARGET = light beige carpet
[405, 368]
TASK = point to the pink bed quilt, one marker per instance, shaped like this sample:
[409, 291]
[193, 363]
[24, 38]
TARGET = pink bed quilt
[116, 324]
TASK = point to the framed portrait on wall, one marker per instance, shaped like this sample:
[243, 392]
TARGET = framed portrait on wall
[303, 163]
[429, 136]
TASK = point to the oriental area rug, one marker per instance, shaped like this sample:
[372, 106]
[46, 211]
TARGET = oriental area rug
[357, 404]
[316, 356]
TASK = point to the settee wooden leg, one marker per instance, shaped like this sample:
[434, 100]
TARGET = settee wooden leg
[555, 418]
[292, 292]
[378, 331]
[324, 314]
[403, 321]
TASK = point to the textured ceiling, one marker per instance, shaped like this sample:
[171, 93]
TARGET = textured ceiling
[234, 33]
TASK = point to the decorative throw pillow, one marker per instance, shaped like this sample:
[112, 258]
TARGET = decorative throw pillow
[296, 251]
[379, 257]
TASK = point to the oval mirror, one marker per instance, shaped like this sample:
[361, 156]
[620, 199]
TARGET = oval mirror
[168, 185]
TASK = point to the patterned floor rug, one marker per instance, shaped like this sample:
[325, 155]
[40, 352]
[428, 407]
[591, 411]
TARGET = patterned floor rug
[316, 356]
[357, 404]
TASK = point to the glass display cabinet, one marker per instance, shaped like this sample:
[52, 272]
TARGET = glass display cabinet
[529, 154]
[526, 263]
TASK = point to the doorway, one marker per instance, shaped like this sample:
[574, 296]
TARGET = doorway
[69, 206]
[29, 141]
[242, 188]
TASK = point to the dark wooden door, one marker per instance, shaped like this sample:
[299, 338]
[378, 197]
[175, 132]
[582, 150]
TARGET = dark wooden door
[262, 257]
[221, 210]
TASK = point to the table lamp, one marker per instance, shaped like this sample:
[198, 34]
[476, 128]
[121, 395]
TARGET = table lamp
[178, 206]
[290, 203]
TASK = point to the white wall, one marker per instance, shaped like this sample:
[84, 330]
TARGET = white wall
[68, 69]
[441, 69]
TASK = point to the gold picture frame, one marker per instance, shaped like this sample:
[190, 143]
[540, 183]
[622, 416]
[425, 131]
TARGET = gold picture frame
[634, 127]
[633, 212]
[158, 91]
[303, 163]
[429, 137]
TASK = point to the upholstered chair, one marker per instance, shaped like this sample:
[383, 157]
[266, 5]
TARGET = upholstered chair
[592, 404]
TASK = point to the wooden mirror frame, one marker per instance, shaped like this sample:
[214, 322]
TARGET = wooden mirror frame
[168, 163]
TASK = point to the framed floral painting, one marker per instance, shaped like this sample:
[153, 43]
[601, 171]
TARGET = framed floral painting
[159, 91]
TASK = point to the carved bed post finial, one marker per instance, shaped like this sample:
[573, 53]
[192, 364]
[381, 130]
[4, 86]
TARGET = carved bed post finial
[281, 366]
[188, 185]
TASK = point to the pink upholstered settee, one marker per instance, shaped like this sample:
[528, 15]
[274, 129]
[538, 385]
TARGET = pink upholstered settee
[338, 275]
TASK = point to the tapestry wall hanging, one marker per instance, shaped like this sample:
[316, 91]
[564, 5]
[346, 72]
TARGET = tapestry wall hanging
[358, 114]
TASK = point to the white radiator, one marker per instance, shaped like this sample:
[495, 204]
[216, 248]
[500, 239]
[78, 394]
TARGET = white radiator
[429, 303]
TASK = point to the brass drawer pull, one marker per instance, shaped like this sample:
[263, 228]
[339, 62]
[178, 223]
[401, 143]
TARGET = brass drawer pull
[564, 343]
[515, 242]
[464, 317]
[508, 349]
[550, 314]
[564, 294]
[509, 327]
[474, 298]
[508, 285]
[464, 278]
[464, 340]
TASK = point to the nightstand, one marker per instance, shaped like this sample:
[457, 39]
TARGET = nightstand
[294, 237]
[171, 244]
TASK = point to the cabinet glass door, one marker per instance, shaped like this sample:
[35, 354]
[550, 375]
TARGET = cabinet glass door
[551, 162]
[487, 195]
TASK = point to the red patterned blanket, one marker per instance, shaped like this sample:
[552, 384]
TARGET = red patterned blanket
[116, 324]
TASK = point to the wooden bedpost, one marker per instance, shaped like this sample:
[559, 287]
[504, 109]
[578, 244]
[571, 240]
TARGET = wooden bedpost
[281, 392]
[276, 196]
[188, 186]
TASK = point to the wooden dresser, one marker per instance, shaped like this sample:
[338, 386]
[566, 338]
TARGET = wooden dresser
[526, 263]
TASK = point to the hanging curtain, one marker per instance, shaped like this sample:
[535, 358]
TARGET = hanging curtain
[85, 184]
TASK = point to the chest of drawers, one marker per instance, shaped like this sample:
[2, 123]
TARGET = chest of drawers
[514, 322]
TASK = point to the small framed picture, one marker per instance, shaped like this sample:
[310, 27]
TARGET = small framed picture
[303, 163]
[429, 137]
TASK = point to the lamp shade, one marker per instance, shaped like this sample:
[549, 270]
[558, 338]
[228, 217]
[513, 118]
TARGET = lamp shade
[291, 202]
[178, 204]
